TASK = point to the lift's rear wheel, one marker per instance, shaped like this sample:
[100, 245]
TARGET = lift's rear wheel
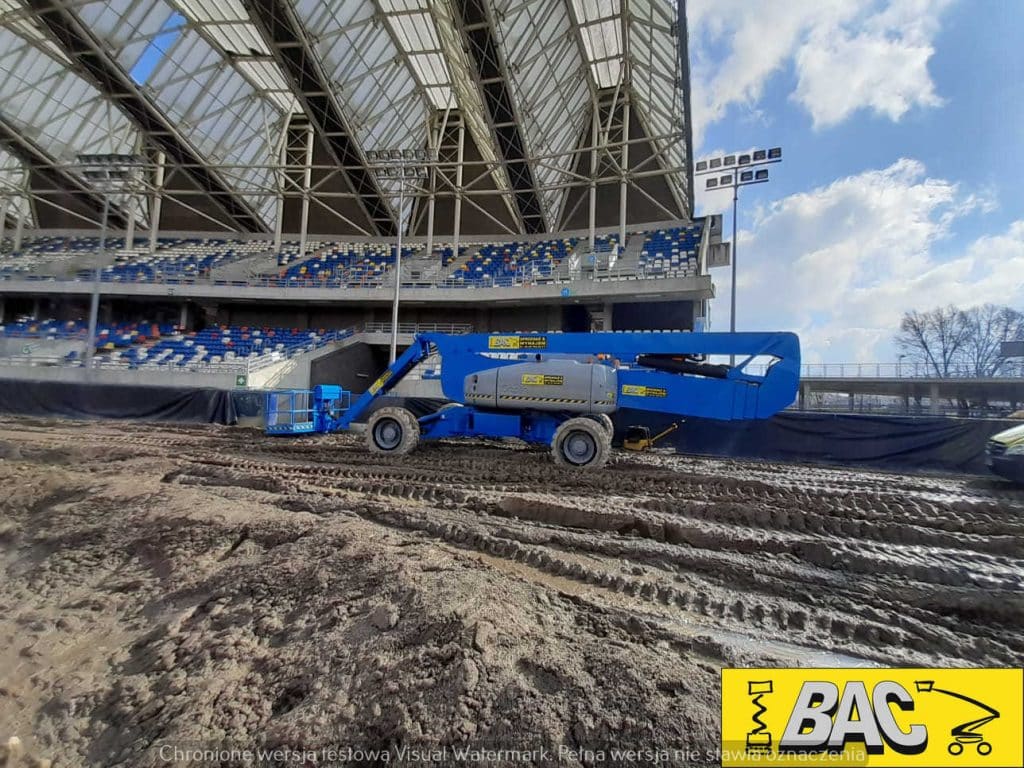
[392, 431]
[605, 421]
[581, 443]
[955, 748]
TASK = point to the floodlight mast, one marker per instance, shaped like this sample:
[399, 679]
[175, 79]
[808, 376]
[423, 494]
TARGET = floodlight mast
[109, 173]
[403, 165]
[737, 178]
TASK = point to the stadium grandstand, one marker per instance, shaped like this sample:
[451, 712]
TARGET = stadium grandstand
[231, 180]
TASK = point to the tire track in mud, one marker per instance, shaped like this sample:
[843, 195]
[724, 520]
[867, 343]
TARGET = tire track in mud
[734, 598]
[885, 566]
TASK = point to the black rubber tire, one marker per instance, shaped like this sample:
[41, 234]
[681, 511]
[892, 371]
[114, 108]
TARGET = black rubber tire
[605, 421]
[392, 432]
[594, 437]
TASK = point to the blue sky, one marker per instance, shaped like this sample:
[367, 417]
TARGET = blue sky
[902, 185]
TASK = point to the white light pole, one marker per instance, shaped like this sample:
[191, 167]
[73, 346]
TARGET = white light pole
[735, 171]
[399, 167]
[108, 173]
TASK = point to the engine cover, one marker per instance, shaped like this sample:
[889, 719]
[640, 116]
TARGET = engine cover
[551, 385]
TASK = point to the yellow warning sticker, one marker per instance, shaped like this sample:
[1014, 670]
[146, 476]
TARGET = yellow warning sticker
[539, 379]
[517, 342]
[640, 391]
[375, 387]
[873, 717]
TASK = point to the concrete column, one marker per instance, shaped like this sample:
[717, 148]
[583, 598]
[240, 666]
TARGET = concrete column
[594, 126]
[129, 230]
[1, 310]
[3, 218]
[802, 397]
[609, 309]
[156, 202]
[457, 225]
[183, 320]
[307, 179]
[851, 398]
[906, 403]
[282, 158]
[933, 399]
[19, 227]
[625, 169]
[35, 308]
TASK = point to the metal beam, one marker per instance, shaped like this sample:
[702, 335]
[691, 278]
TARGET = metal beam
[492, 77]
[90, 55]
[296, 56]
[38, 161]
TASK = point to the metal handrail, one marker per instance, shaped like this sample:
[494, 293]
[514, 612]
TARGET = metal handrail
[414, 328]
[247, 365]
[560, 276]
[899, 370]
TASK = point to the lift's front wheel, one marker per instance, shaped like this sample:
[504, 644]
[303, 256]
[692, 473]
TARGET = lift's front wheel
[392, 431]
[581, 443]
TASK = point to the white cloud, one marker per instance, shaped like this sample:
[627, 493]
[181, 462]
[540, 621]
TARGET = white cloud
[842, 263]
[846, 56]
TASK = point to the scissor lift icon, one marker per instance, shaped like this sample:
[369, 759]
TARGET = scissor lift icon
[965, 733]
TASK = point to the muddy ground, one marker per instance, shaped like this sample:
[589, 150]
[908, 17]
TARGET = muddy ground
[167, 589]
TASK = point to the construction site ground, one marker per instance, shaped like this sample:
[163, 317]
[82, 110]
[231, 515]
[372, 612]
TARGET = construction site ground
[178, 595]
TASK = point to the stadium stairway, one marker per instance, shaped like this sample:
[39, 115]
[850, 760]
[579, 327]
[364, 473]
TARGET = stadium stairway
[629, 257]
[259, 264]
[294, 373]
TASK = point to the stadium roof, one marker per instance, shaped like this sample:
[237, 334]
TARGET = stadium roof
[214, 85]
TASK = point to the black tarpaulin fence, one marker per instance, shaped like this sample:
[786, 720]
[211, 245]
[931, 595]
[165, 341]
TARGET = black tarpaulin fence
[902, 443]
[117, 401]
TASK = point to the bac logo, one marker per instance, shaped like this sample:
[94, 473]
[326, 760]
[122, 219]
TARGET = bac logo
[873, 717]
[517, 342]
[636, 390]
[543, 379]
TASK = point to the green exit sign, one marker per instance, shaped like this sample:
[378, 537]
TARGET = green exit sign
[241, 380]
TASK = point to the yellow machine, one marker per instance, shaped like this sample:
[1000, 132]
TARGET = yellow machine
[639, 438]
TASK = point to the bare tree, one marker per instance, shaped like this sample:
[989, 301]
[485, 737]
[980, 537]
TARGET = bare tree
[988, 326]
[935, 338]
[950, 341]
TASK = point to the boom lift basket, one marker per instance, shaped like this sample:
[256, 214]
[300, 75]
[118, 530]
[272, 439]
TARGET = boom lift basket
[289, 412]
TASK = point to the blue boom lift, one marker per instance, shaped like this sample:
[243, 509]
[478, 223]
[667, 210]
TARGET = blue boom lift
[556, 389]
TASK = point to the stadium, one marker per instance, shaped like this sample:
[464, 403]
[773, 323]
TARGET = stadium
[205, 202]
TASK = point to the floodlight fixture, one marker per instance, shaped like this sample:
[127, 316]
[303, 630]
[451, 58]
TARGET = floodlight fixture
[400, 165]
[751, 175]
